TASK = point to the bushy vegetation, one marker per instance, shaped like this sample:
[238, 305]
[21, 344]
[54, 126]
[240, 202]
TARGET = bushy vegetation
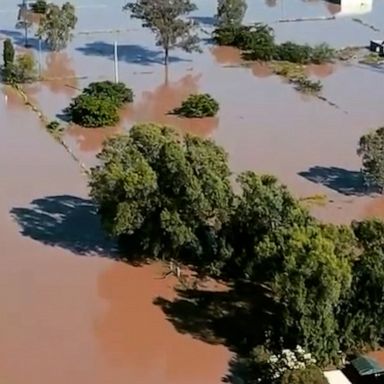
[119, 93]
[40, 6]
[17, 69]
[55, 129]
[199, 105]
[258, 43]
[295, 280]
[92, 111]
[306, 85]
[371, 150]
[99, 103]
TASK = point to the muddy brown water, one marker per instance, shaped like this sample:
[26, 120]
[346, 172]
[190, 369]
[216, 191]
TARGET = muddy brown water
[69, 313]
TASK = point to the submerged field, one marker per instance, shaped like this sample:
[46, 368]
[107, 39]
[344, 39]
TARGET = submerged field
[91, 319]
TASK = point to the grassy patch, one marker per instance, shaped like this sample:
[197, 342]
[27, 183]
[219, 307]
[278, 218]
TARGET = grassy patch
[318, 199]
[371, 59]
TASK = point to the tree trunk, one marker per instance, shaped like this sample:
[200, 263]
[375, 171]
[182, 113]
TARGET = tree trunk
[166, 56]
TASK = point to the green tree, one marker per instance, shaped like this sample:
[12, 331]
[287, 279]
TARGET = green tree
[371, 151]
[8, 53]
[257, 42]
[276, 243]
[161, 194]
[25, 68]
[24, 21]
[308, 375]
[119, 93]
[57, 25]
[362, 311]
[40, 6]
[167, 20]
[92, 111]
[230, 13]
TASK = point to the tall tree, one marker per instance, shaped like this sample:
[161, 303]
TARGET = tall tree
[8, 53]
[57, 25]
[362, 311]
[230, 13]
[277, 243]
[167, 20]
[24, 21]
[165, 194]
[371, 151]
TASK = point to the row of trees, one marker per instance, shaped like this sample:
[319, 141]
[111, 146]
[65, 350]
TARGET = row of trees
[171, 197]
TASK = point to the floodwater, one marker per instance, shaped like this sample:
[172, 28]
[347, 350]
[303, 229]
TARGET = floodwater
[69, 313]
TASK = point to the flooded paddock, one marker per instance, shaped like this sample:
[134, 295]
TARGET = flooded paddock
[69, 313]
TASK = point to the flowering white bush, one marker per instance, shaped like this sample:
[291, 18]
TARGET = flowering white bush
[290, 359]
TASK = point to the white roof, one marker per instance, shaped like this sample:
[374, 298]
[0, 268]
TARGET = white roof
[336, 377]
[355, 7]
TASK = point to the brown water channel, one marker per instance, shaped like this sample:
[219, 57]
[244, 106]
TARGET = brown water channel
[69, 313]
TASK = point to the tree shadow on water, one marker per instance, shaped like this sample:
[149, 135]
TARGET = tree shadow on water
[228, 317]
[341, 180]
[65, 221]
[131, 53]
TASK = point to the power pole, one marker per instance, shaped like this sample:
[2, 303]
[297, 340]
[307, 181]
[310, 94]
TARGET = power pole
[116, 63]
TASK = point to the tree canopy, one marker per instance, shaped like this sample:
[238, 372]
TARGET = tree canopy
[164, 195]
[57, 25]
[162, 192]
[230, 13]
[167, 19]
[371, 151]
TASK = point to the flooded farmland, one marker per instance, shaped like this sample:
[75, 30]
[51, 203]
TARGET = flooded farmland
[69, 312]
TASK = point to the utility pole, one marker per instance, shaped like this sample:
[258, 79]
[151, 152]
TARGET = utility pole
[116, 63]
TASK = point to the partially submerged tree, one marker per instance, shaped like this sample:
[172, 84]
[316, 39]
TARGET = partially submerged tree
[362, 310]
[230, 13]
[8, 53]
[371, 151]
[167, 20]
[23, 21]
[57, 25]
[198, 105]
[161, 194]
[39, 7]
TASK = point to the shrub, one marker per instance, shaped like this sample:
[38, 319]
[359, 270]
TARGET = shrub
[305, 85]
[55, 129]
[294, 53]
[25, 68]
[200, 105]
[226, 35]
[322, 53]
[308, 375]
[258, 40]
[119, 93]
[92, 111]
[40, 6]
